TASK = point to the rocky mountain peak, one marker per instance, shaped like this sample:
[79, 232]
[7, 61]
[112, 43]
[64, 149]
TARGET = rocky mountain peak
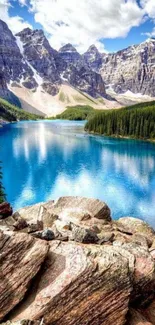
[26, 31]
[93, 49]
[69, 54]
[28, 35]
[68, 48]
[29, 61]
[41, 58]
[12, 66]
[131, 69]
[93, 58]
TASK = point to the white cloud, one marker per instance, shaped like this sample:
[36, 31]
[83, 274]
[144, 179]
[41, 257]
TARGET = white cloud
[16, 23]
[85, 22]
[150, 34]
[23, 2]
[149, 7]
[82, 23]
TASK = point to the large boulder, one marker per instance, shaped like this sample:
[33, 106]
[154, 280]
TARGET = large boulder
[88, 214]
[80, 284]
[83, 235]
[79, 210]
[21, 257]
[93, 264]
[134, 226]
[143, 276]
[83, 206]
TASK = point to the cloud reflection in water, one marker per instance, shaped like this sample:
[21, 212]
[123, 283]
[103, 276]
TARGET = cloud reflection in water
[48, 159]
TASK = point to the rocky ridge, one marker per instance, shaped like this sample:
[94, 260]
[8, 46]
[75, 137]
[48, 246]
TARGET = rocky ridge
[47, 80]
[67, 262]
[131, 69]
[28, 61]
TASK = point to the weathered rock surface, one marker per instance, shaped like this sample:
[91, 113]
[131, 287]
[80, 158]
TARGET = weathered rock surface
[94, 270]
[93, 58]
[78, 279]
[69, 54]
[83, 235]
[143, 277]
[136, 226]
[21, 257]
[68, 209]
[131, 69]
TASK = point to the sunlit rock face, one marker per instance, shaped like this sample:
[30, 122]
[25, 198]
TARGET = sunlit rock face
[39, 55]
[69, 53]
[93, 58]
[22, 259]
[12, 65]
[79, 73]
[85, 79]
[131, 69]
[28, 60]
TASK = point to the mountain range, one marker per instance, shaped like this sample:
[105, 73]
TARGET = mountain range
[42, 80]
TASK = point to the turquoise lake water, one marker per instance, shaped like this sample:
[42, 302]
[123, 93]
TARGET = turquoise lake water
[46, 159]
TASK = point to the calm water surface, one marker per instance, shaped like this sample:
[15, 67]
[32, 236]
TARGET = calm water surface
[47, 159]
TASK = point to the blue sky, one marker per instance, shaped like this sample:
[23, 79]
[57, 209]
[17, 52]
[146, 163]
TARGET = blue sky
[135, 36]
[109, 24]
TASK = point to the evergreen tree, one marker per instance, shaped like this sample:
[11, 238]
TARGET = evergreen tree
[136, 121]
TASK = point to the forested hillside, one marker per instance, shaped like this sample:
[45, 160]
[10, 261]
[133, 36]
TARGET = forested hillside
[136, 121]
[78, 113]
[11, 113]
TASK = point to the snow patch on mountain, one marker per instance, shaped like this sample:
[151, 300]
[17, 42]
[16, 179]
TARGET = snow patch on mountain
[129, 93]
[39, 80]
[20, 44]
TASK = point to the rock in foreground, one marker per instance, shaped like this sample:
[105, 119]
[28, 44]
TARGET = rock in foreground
[21, 257]
[77, 279]
[90, 270]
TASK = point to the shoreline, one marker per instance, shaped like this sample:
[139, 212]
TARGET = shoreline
[120, 137]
